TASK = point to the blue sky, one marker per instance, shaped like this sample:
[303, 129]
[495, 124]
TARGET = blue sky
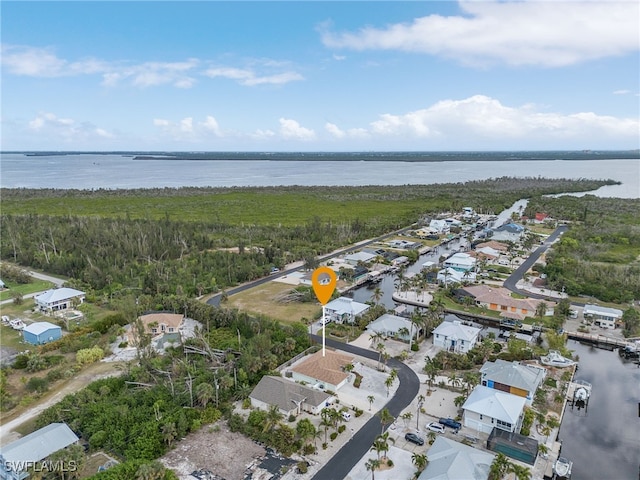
[320, 76]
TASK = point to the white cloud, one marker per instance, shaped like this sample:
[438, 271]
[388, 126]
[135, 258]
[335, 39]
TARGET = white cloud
[49, 126]
[543, 33]
[334, 130]
[622, 92]
[211, 125]
[43, 62]
[249, 77]
[290, 129]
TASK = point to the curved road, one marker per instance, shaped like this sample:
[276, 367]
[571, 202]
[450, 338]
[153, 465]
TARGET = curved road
[516, 276]
[350, 454]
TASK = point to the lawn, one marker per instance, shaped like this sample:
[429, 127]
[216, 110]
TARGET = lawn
[25, 288]
[261, 299]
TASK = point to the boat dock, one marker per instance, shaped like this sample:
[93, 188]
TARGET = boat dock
[600, 341]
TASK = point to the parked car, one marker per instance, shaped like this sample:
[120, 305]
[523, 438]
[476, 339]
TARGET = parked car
[346, 416]
[435, 427]
[413, 438]
[451, 423]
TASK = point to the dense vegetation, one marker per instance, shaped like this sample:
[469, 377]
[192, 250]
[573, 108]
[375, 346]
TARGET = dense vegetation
[600, 254]
[176, 241]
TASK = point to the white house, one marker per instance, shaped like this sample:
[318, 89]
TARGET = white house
[455, 337]
[487, 408]
[460, 261]
[604, 316]
[447, 276]
[359, 257]
[59, 299]
[451, 460]
[344, 310]
[291, 398]
[390, 326]
[439, 226]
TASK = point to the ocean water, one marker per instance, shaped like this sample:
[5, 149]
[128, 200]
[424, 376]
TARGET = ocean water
[110, 171]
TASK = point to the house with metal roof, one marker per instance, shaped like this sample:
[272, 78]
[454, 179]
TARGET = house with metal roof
[509, 232]
[390, 326]
[24, 453]
[323, 372]
[455, 337]
[451, 460]
[460, 261]
[605, 317]
[344, 310]
[59, 299]
[487, 408]
[39, 333]
[359, 257]
[513, 377]
[290, 397]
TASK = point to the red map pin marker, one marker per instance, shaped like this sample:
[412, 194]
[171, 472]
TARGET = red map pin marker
[324, 281]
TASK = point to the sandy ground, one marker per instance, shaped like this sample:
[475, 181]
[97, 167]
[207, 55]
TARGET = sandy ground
[216, 449]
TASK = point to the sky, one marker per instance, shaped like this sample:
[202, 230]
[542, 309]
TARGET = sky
[320, 76]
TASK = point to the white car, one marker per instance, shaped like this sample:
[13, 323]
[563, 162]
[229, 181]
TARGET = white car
[435, 427]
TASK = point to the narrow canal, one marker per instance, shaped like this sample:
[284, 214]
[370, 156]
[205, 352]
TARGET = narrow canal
[604, 442]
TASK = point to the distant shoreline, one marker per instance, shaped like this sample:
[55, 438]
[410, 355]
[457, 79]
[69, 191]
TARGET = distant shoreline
[583, 155]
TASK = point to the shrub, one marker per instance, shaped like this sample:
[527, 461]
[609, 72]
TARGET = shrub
[302, 467]
[37, 384]
[389, 462]
[342, 428]
[246, 403]
[324, 446]
[309, 449]
[292, 418]
[414, 347]
[358, 412]
[89, 355]
[333, 435]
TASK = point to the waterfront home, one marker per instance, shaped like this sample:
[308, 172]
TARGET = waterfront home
[323, 372]
[487, 408]
[463, 262]
[359, 257]
[344, 310]
[509, 232]
[291, 398]
[499, 299]
[39, 333]
[393, 326]
[455, 337]
[450, 460]
[18, 456]
[59, 299]
[513, 377]
[439, 226]
[605, 317]
[449, 276]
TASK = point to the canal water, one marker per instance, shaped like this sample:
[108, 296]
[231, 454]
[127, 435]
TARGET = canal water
[604, 442]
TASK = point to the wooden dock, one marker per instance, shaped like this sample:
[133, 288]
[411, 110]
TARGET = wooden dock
[599, 340]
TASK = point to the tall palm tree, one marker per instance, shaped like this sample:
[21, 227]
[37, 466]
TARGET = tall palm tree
[421, 399]
[377, 295]
[499, 467]
[381, 444]
[204, 393]
[372, 465]
[520, 472]
[385, 418]
[272, 419]
[370, 399]
[150, 471]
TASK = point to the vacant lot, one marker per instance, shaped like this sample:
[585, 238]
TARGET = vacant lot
[262, 299]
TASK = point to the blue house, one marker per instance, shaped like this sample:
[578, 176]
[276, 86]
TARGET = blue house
[39, 333]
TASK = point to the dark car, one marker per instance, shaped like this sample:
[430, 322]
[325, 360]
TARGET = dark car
[413, 438]
[451, 423]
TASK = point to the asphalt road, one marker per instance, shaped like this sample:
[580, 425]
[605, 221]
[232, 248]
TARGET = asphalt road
[350, 454]
[518, 273]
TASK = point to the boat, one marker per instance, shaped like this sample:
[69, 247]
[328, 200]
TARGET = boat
[554, 359]
[562, 467]
[581, 394]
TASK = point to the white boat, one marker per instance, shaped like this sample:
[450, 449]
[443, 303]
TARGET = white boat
[562, 467]
[554, 359]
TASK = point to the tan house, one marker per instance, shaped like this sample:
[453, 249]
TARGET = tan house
[324, 373]
[158, 324]
[499, 299]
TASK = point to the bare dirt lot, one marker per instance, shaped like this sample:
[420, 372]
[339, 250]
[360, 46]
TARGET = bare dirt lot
[216, 449]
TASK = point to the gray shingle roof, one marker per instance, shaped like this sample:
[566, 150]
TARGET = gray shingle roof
[286, 394]
[450, 460]
[513, 374]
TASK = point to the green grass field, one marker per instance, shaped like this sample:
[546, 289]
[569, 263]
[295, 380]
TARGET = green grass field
[25, 289]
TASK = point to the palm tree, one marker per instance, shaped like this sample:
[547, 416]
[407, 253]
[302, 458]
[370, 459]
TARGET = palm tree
[390, 379]
[385, 418]
[169, 433]
[470, 379]
[421, 399]
[454, 380]
[381, 444]
[404, 332]
[520, 472]
[150, 471]
[406, 416]
[421, 461]
[499, 467]
[372, 465]
[325, 423]
[272, 418]
[204, 393]
[431, 369]
[370, 399]
[377, 295]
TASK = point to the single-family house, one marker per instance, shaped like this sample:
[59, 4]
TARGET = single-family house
[500, 299]
[509, 232]
[359, 257]
[344, 310]
[18, 456]
[513, 377]
[164, 327]
[451, 460]
[460, 261]
[291, 398]
[59, 299]
[393, 326]
[605, 317]
[439, 226]
[488, 408]
[448, 276]
[485, 253]
[39, 333]
[323, 372]
[455, 337]
[404, 244]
